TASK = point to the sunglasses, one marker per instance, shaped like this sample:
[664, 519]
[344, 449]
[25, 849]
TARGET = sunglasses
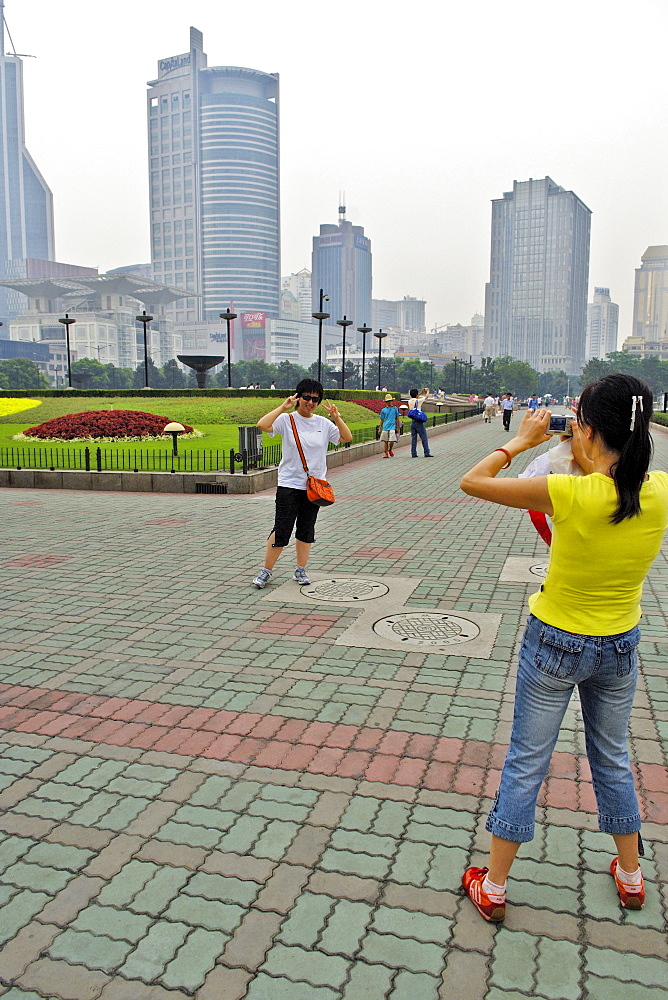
[310, 399]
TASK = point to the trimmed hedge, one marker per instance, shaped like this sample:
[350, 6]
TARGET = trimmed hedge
[660, 418]
[347, 394]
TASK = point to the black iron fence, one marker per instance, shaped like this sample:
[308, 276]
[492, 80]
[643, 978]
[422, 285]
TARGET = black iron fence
[109, 459]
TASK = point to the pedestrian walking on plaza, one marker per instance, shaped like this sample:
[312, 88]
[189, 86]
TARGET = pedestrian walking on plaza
[418, 429]
[389, 426]
[292, 504]
[532, 402]
[582, 630]
[507, 407]
[490, 408]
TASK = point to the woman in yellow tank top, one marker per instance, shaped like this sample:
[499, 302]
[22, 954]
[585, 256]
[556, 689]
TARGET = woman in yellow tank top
[583, 626]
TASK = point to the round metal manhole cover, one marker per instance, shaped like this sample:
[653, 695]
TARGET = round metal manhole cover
[427, 629]
[345, 590]
[539, 570]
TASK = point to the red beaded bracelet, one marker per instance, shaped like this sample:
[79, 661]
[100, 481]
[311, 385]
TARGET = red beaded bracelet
[508, 456]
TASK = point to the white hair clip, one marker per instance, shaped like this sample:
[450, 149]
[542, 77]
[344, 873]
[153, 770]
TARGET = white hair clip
[635, 402]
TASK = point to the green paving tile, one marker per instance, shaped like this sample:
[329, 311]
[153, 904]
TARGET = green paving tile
[306, 966]
[227, 890]
[513, 960]
[153, 953]
[354, 864]
[363, 843]
[160, 890]
[627, 968]
[195, 958]
[402, 953]
[306, 920]
[241, 837]
[410, 985]
[127, 884]
[121, 925]
[92, 950]
[345, 928]
[275, 840]
[210, 791]
[18, 911]
[12, 848]
[367, 981]
[191, 836]
[265, 987]
[411, 863]
[59, 856]
[558, 973]
[409, 924]
[606, 988]
[360, 813]
[207, 913]
[37, 877]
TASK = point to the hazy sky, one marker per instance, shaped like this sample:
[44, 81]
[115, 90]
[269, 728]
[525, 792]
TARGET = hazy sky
[421, 112]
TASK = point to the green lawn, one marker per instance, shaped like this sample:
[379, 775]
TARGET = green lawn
[217, 419]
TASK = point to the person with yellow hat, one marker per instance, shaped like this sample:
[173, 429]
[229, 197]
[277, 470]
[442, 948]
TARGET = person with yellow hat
[389, 425]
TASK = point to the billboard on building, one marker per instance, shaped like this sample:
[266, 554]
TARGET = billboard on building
[253, 336]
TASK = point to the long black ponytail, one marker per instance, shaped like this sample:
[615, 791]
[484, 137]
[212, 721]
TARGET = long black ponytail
[619, 408]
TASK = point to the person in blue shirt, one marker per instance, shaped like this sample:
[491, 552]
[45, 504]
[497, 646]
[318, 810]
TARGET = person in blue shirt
[533, 402]
[389, 425]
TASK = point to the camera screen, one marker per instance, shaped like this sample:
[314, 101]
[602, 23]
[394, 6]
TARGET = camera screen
[558, 424]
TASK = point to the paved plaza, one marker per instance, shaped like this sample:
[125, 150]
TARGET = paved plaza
[216, 792]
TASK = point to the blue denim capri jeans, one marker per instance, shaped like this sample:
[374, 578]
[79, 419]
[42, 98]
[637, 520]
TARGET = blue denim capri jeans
[551, 664]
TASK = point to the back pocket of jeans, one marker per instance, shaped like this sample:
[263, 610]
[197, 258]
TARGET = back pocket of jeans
[558, 653]
[627, 652]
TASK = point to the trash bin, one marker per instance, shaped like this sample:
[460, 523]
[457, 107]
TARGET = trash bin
[250, 441]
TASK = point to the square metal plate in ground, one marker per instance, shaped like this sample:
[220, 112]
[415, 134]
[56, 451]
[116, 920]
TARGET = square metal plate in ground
[346, 590]
[458, 633]
[524, 569]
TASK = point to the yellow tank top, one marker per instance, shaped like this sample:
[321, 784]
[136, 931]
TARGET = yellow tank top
[596, 572]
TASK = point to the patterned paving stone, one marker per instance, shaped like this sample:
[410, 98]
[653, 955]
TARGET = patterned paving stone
[194, 802]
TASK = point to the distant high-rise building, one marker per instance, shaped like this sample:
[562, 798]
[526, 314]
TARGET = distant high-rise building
[404, 315]
[26, 202]
[300, 286]
[650, 299]
[602, 324]
[342, 268]
[214, 184]
[536, 298]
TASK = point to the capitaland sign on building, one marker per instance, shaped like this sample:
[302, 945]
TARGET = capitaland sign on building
[166, 66]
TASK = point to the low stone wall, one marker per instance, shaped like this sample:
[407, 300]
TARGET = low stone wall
[187, 482]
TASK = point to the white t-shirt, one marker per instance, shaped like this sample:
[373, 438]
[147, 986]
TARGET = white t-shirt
[489, 401]
[315, 434]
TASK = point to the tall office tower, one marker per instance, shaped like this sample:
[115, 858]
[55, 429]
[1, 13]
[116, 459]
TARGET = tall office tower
[300, 286]
[650, 299]
[602, 324]
[26, 202]
[342, 268]
[536, 298]
[214, 184]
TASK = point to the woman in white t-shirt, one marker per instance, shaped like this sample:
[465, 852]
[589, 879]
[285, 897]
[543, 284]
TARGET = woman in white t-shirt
[292, 503]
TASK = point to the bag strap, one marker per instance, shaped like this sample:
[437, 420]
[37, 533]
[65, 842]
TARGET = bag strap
[299, 445]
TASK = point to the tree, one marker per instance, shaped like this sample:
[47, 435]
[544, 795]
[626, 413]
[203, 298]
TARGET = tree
[516, 377]
[288, 375]
[21, 373]
[89, 373]
[558, 383]
[595, 368]
[155, 378]
[173, 376]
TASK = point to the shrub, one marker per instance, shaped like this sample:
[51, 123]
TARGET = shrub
[374, 404]
[95, 424]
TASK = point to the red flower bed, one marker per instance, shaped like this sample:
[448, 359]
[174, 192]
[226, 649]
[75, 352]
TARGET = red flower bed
[374, 404]
[103, 424]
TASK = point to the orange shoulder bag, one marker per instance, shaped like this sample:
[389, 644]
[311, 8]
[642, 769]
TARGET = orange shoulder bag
[317, 490]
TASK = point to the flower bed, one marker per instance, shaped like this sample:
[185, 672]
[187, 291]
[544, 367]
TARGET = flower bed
[102, 425]
[11, 406]
[374, 404]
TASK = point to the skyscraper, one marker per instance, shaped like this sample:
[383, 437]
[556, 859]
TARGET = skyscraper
[214, 184]
[26, 202]
[650, 299]
[536, 298]
[602, 324]
[342, 268]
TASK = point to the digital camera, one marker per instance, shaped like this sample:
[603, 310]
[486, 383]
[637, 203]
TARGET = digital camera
[561, 424]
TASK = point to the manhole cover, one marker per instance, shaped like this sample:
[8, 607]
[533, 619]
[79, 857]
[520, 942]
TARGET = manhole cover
[432, 629]
[539, 569]
[345, 590]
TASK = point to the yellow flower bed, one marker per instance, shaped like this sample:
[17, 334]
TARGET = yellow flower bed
[9, 406]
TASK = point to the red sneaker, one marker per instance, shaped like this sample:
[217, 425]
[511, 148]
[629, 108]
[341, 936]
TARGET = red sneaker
[472, 880]
[631, 896]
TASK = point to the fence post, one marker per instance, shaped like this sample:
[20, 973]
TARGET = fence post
[244, 462]
[87, 458]
[98, 459]
[232, 461]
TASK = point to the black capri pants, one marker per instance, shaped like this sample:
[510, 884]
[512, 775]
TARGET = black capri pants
[294, 505]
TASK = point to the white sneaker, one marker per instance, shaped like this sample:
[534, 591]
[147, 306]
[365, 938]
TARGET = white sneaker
[301, 576]
[262, 579]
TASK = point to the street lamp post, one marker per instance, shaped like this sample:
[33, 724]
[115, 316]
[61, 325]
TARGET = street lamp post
[345, 323]
[380, 336]
[145, 320]
[67, 323]
[228, 317]
[363, 330]
[320, 316]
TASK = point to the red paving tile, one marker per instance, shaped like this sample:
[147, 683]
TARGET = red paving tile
[656, 807]
[653, 777]
[447, 764]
